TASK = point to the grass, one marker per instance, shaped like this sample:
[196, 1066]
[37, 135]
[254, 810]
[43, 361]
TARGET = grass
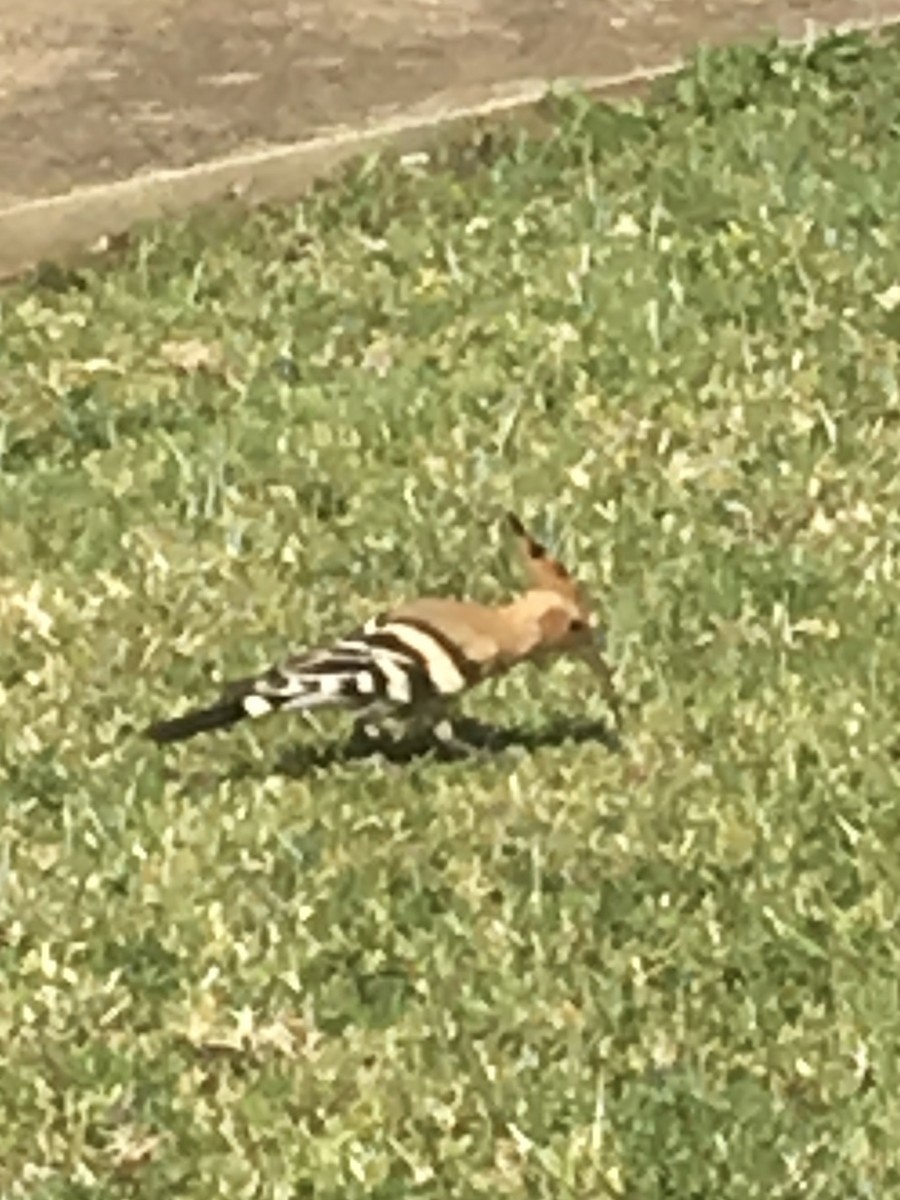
[258, 966]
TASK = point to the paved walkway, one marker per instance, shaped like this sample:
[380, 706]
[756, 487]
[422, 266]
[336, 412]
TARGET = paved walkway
[96, 90]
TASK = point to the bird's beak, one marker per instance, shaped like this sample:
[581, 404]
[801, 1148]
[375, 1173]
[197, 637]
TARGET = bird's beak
[592, 656]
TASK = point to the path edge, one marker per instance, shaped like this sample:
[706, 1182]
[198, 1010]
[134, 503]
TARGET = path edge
[58, 227]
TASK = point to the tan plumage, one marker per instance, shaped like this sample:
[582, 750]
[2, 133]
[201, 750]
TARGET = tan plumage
[417, 658]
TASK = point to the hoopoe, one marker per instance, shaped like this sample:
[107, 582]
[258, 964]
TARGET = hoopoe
[415, 660]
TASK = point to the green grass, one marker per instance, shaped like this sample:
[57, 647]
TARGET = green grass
[256, 966]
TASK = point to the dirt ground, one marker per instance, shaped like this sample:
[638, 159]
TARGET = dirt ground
[101, 89]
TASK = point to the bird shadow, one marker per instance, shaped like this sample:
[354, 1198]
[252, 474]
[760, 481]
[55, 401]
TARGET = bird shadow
[473, 741]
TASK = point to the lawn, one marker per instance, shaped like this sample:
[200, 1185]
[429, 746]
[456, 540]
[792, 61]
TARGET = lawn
[257, 965]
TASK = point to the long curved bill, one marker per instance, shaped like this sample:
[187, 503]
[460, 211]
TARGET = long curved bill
[592, 656]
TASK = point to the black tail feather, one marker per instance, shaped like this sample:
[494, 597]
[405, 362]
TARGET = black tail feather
[222, 715]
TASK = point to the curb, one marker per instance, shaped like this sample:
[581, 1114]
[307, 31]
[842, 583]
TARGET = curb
[90, 217]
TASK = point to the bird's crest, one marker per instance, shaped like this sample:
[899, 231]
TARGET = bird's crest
[544, 572]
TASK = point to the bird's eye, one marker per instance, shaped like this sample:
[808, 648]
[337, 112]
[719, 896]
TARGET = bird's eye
[576, 625]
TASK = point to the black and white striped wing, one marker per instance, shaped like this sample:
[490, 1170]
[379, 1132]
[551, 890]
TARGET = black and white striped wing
[392, 665]
[388, 665]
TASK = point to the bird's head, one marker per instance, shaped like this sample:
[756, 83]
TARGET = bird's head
[557, 610]
[556, 601]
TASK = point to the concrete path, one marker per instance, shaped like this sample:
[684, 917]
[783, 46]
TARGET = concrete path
[97, 90]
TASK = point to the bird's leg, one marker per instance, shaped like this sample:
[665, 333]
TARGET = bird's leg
[450, 742]
[431, 723]
[422, 721]
[364, 731]
[451, 737]
[370, 731]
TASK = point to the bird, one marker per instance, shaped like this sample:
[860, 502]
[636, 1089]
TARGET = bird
[414, 661]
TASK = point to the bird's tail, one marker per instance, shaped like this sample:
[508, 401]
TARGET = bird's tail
[222, 715]
[259, 695]
[239, 701]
